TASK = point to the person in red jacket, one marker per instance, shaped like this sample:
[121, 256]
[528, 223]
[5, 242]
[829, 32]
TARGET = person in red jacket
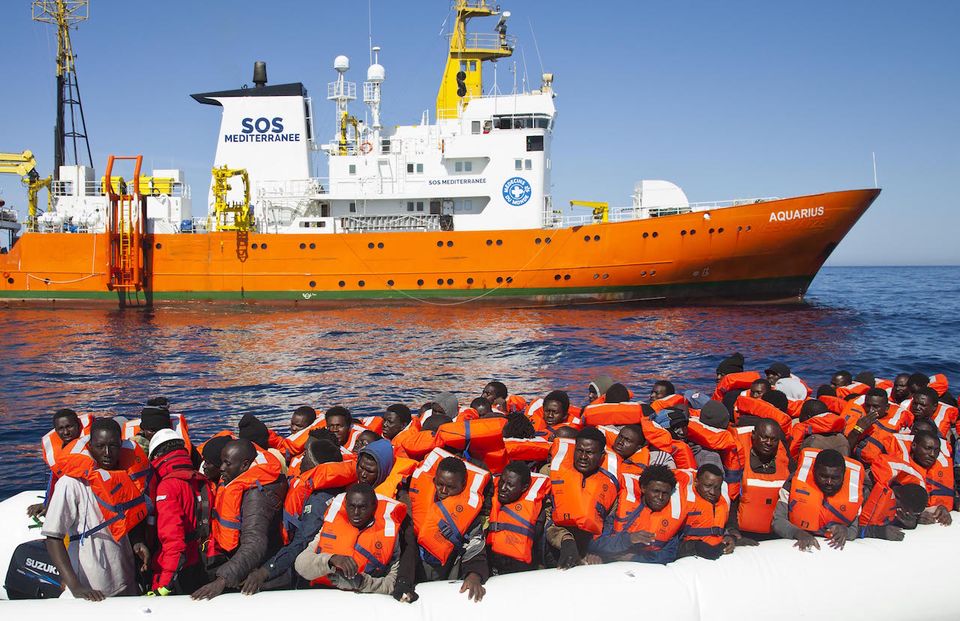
[177, 567]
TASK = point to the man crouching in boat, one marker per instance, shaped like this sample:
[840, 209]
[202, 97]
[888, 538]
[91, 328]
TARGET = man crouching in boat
[358, 546]
[98, 506]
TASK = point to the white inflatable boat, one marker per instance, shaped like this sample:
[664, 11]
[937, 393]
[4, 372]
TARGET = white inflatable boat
[869, 579]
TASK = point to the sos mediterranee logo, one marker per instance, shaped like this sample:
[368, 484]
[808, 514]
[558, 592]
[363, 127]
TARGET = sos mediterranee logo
[517, 191]
[262, 129]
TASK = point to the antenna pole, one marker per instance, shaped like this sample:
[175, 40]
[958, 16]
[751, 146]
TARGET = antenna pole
[875, 184]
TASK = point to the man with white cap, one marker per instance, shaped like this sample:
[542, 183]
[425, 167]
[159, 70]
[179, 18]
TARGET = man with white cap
[179, 498]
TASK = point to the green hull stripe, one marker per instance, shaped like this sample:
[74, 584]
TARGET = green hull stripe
[758, 289]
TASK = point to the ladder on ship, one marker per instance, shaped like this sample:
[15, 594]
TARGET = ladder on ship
[125, 228]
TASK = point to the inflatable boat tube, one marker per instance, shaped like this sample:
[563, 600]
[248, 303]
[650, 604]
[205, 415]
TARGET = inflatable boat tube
[869, 579]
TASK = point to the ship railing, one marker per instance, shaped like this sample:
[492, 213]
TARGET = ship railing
[63, 187]
[623, 214]
[292, 188]
[488, 41]
[8, 214]
[394, 222]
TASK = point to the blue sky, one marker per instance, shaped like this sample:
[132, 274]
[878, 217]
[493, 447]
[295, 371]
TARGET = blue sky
[727, 99]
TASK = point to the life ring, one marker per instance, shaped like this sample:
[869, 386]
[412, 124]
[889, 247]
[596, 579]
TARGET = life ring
[366, 147]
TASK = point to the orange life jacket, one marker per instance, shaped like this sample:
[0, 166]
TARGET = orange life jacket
[226, 518]
[373, 423]
[735, 381]
[706, 521]
[632, 515]
[516, 403]
[579, 501]
[854, 388]
[441, 526]
[402, 468]
[511, 529]
[880, 508]
[518, 449]
[324, 476]
[835, 405]
[475, 437]
[415, 445]
[810, 510]
[613, 414]
[535, 414]
[828, 422]
[132, 459]
[53, 447]
[761, 409]
[759, 492]
[938, 478]
[670, 401]
[724, 442]
[939, 382]
[372, 548]
[122, 502]
[945, 417]
[177, 422]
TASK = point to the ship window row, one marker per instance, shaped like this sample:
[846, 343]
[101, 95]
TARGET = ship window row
[463, 166]
[414, 167]
[521, 121]
[523, 164]
[414, 205]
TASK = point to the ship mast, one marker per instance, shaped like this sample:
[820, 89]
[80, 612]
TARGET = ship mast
[63, 14]
[463, 75]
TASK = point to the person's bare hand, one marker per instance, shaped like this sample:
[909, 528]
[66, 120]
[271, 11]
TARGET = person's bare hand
[473, 587]
[837, 534]
[806, 541]
[345, 566]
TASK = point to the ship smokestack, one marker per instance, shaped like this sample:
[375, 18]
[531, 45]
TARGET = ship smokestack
[259, 74]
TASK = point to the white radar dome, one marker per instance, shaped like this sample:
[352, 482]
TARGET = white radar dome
[376, 73]
[341, 63]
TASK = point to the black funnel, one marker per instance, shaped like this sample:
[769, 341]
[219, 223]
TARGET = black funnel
[259, 74]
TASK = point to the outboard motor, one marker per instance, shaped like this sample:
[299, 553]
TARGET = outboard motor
[32, 574]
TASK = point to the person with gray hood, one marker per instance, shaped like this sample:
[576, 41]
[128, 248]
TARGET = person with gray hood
[599, 386]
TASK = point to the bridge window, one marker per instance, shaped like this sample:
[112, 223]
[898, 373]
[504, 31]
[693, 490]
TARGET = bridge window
[352, 169]
[528, 164]
[518, 164]
[353, 207]
[475, 127]
[521, 121]
[534, 143]
[414, 167]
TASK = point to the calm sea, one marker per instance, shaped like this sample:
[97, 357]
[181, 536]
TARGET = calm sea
[218, 362]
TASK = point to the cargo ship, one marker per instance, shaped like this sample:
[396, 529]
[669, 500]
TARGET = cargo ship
[456, 209]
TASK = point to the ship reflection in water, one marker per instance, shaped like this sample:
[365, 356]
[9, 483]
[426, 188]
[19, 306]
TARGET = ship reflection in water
[216, 362]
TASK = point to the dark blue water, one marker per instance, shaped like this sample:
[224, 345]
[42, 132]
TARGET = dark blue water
[218, 362]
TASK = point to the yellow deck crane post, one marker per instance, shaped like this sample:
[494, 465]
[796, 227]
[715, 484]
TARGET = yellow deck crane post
[25, 166]
[242, 220]
[601, 211]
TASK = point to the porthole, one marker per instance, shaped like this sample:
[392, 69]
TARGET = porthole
[548, 240]
[370, 245]
[489, 242]
[499, 279]
[720, 230]
[748, 228]
[596, 276]
[538, 241]
[389, 283]
[449, 281]
[158, 246]
[653, 272]
[449, 244]
[10, 280]
[362, 284]
[313, 246]
[439, 281]
[469, 281]
[566, 276]
[596, 238]
[710, 231]
[683, 232]
[556, 276]
[342, 283]
[606, 276]
[255, 246]
[655, 234]
[693, 231]
[420, 282]
[509, 279]
[586, 238]
[303, 246]
[313, 284]
[439, 244]
[646, 235]
[499, 242]
[380, 246]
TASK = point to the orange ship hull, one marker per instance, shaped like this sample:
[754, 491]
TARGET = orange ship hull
[767, 251]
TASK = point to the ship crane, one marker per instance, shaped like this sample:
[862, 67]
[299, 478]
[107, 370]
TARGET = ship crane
[24, 165]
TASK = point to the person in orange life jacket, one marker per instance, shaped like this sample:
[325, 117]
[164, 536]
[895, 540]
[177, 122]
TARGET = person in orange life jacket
[261, 517]
[364, 438]
[625, 535]
[100, 559]
[704, 533]
[510, 524]
[483, 407]
[355, 567]
[340, 422]
[302, 417]
[277, 567]
[494, 390]
[714, 414]
[499, 404]
[875, 407]
[212, 464]
[629, 441]
[766, 469]
[916, 381]
[889, 509]
[841, 378]
[815, 420]
[924, 450]
[154, 417]
[587, 473]
[596, 389]
[780, 377]
[661, 390]
[829, 478]
[252, 428]
[556, 411]
[396, 418]
[181, 493]
[67, 428]
[926, 404]
[447, 403]
[900, 391]
[469, 556]
[731, 364]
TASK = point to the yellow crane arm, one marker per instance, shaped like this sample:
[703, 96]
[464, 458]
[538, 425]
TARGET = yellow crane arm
[601, 210]
[25, 166]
